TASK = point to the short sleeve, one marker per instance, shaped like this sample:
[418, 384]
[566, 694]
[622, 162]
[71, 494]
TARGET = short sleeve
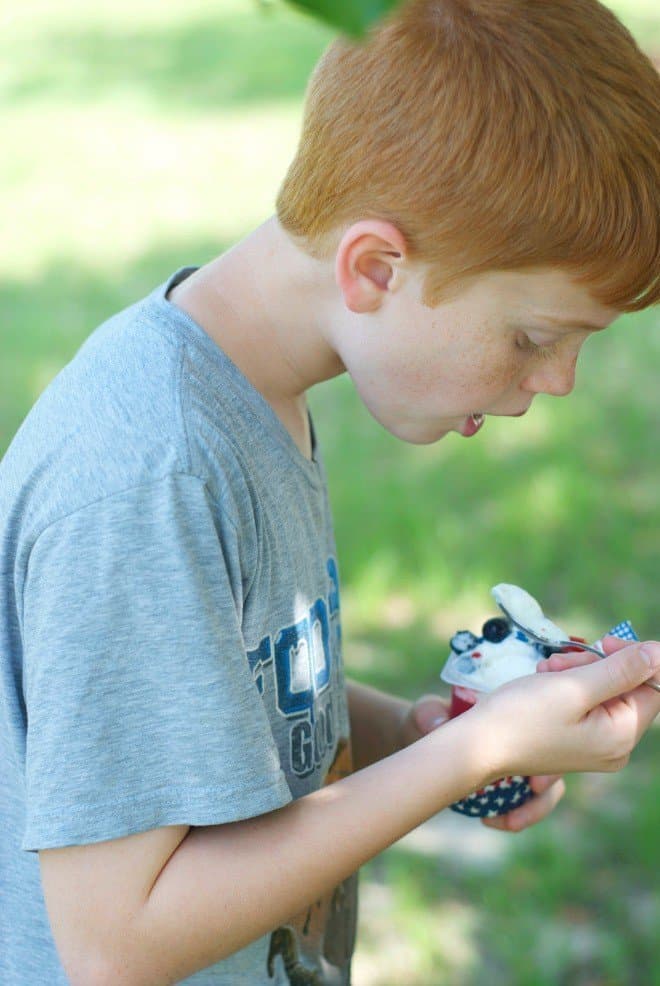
[141, 708]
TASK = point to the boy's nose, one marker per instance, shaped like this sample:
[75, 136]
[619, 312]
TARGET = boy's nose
[556, 377]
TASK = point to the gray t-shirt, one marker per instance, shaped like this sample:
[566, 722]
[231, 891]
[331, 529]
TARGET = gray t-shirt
[170, 648]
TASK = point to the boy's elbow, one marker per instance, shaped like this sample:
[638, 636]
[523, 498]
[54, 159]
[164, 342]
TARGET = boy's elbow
[105, 970]
[99, 930]
[86, 971]
[127, 961]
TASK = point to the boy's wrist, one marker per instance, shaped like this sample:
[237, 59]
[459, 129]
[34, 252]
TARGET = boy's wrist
[512, 739]
[479, 740]
[495, 733]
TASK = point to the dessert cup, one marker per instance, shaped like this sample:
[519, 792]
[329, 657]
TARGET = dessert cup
[479, 665]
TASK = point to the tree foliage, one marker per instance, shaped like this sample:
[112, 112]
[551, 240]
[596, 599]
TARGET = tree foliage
[351, 16]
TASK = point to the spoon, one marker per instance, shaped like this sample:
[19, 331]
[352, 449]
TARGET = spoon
[560, 644]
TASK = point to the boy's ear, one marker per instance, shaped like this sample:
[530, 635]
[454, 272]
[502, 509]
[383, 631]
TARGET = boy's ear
[368, 264]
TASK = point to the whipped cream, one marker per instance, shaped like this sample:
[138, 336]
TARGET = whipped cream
[524, 609]
[486, 665]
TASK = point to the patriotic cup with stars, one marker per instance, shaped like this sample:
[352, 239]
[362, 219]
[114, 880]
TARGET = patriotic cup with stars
[510, 792]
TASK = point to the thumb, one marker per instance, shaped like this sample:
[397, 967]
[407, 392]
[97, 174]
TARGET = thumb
[620, 671]
[429, 712]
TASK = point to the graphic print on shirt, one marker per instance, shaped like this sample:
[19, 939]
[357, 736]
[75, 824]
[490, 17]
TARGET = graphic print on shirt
[300, 661]
[300, 666]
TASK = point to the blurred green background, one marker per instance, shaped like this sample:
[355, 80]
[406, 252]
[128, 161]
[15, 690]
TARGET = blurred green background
[140, 137]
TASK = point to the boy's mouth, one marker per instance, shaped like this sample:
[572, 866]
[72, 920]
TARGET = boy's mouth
[472, 424]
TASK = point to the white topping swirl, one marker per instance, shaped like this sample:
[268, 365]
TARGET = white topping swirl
[525, 610]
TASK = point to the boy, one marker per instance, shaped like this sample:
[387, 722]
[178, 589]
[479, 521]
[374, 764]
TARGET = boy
[475, 193]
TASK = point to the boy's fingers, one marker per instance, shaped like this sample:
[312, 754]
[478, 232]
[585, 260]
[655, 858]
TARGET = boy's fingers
[612, 644]
[574, 659]
[561, 662]
[542, 782]
[647, 706]
[429, 712]
[531, 812]
[619, 672]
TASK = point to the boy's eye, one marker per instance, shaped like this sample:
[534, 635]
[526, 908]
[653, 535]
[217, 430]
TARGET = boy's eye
[544, 350]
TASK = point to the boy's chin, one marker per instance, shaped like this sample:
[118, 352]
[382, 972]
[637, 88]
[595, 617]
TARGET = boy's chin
[420, 433]
[416, 431]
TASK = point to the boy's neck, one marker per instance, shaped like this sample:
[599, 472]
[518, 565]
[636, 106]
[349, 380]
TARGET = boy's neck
[265, 303]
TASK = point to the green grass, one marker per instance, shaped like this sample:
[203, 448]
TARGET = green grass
[139, 137]
[572, 902]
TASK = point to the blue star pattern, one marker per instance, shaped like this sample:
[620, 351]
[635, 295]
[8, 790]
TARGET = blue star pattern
[496, 799]
[511, 792]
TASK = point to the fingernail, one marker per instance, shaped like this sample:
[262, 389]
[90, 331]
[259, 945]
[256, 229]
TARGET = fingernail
[650, 651]
[438, 722]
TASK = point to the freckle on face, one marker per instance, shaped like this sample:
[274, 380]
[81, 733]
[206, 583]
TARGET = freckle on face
[495, 369]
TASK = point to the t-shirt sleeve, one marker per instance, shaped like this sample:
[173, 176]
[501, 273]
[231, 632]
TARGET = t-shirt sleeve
[141, 708]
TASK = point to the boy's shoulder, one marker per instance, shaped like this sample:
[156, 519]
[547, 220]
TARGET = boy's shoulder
[114, 418]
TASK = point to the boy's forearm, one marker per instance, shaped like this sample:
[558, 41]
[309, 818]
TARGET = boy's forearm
[376, 720]
[226, 886]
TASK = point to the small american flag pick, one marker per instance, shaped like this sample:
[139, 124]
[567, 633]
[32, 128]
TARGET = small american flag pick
[624, 631]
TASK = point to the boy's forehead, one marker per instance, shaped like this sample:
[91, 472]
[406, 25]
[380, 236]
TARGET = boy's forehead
[561, 300]
[548, 295]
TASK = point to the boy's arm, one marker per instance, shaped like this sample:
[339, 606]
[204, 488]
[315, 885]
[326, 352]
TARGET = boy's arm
[381, 723]
[158, 906]
[377, 720]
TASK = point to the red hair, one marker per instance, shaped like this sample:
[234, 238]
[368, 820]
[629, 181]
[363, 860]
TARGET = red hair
[496, 135]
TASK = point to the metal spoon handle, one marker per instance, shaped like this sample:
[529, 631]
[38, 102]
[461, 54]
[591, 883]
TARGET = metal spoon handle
[574, 644]
[578, 645]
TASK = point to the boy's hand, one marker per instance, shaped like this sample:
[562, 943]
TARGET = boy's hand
[431, 711]
[550, 789]
[425, 715]
[577, 658]
[588, 717]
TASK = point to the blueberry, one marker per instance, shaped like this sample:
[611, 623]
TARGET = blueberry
[495, 630]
